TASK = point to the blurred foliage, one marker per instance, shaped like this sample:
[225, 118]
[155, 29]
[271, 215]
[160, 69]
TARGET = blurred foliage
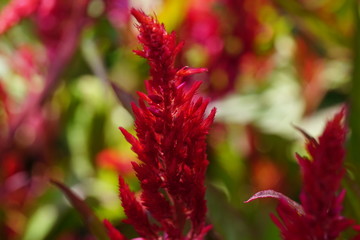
[272, 64]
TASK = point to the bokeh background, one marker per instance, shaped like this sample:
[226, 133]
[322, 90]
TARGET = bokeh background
[68, 74]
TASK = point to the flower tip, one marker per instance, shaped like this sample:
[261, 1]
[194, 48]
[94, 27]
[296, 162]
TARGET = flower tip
[122, 183]
[341, 114]
[186, 71]
[107, 223]
[139, 15]
[308, 137]
[113, 233]
[126, 134]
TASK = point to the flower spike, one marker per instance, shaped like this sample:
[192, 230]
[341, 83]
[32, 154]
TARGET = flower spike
[171, 129]
[319, 215]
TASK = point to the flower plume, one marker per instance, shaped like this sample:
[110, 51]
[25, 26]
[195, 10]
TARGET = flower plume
[171, 128]
[319, 215]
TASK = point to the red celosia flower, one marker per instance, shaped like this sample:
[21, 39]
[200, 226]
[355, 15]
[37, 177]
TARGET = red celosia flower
[319, 216]
[170, 143]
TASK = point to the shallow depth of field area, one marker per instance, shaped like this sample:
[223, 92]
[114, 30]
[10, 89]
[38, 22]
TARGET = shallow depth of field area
[278, 72]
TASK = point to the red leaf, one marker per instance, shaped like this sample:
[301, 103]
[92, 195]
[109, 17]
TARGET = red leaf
[90, 219]
[278, 196]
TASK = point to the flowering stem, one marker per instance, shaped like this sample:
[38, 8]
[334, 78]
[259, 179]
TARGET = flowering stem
[171, 128]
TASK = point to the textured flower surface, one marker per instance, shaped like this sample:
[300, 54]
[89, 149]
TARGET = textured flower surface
[319, 215]
[171, 128]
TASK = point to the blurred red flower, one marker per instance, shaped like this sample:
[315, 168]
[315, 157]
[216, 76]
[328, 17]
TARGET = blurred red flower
[111, 159]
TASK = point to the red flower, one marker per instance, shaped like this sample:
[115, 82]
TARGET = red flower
[170, 143]
[319, 216]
